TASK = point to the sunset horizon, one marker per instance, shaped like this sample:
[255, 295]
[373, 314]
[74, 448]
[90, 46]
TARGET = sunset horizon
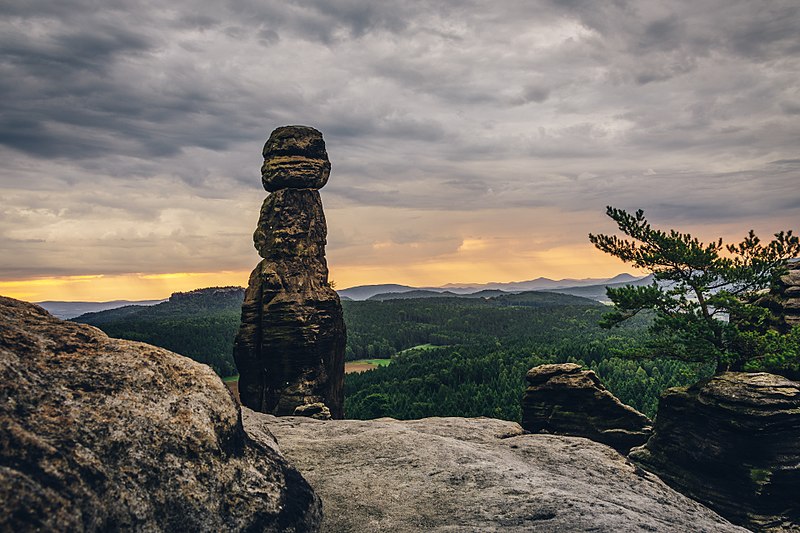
[474, 261]
[133, 287]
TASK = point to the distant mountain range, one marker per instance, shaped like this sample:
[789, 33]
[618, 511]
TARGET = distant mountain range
[538, 284]
[362, 292]
[199, 301]
[67, 310]
[432, 293]
[592, 288]
[598, 292]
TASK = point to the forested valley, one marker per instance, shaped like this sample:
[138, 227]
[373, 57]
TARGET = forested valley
[450, 356]
[468, 357]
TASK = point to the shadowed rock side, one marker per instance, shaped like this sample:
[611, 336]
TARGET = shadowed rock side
[733, 443]
[475, 475]
[100, 434]
[790, 295]
[566, 400]
[784, 299]
[290, 346]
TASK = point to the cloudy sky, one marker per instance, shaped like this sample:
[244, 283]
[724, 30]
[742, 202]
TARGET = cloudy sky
[470, 141]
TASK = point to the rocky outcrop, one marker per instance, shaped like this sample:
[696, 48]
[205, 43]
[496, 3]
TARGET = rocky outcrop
[566, 400]
[784, 299]
[783, 303]
[733, 443]
[475, 475]
[290, 346]
[100, 434]
[790, 295]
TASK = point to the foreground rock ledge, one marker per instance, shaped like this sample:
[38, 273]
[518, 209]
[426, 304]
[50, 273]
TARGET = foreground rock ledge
[733, 443]
[99, 434]
[475, 475]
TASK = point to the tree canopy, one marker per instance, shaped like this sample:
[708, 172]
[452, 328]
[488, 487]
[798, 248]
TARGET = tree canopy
[704, 297]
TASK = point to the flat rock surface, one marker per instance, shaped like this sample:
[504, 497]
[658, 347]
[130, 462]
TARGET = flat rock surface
[470, 475]
[101, 434]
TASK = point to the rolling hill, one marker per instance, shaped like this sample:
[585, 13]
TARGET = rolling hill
[67, 310]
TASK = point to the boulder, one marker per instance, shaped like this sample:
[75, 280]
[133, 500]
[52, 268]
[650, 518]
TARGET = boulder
[733, 443]
[566, 400]
[100, 434]
[290, 345]
[475, 475]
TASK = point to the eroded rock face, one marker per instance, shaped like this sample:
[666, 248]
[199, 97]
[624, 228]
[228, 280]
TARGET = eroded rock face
[566, 400]
[787, 298]
[783, 302]
[100, 434]
[290, 346]
[295, 158]
[475, 475]
[733, 443]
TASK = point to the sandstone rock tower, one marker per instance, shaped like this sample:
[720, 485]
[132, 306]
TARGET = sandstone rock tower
[290, 345]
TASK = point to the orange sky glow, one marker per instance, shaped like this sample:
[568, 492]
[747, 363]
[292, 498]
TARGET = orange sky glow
[559, 264]
[372, 259]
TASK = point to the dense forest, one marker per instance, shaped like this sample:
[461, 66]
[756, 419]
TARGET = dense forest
[482, 351]
[383, 328]
[488, 380]
[450, 356]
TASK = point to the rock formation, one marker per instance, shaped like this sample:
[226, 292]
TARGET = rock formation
[783, 302]
[784, 299]
[733, 443]
[99, 434]
[566, 400]
[475, 475]
[290, 346]
[789, 290]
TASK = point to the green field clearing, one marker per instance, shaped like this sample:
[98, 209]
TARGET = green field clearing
[374, 362]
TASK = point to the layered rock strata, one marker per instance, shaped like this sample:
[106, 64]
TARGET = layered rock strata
[100, 434]
[733, 443]
[475, 475]
[290, 345]
[566, 400]
[790, 295]
[784, 299]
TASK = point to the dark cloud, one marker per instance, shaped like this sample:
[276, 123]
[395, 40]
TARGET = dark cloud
[535, 93]
[145, 114]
